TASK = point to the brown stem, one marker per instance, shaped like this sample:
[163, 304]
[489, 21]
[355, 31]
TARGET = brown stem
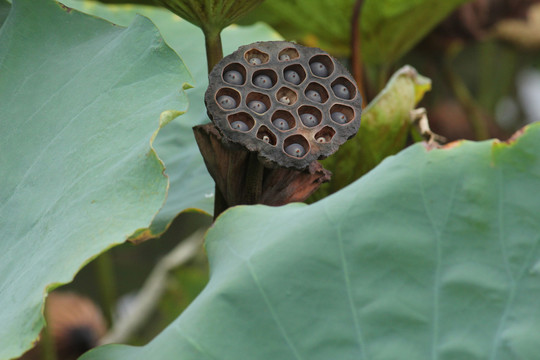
[254, 179]
[220, 204]
[356, 54]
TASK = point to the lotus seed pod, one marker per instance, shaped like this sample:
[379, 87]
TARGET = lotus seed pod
[295, 150]
[257, 106]
[285, 100]
[227, 102]
[309, 120]
[255, 61]
[292, 77]
[341, 91]
[233, 77]
[263, 81]
[284, 57]
[319, 69]
[339, 117]
[314, 95]
[297, 105]
[239, 125]
[281, 124]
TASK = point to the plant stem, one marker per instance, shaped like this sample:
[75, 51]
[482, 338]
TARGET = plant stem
[254, 179]
[48, 347]
[356, 55]
[107, 286]
[214, 49]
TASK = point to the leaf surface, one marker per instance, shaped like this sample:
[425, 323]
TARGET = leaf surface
[81, 101]
[432, 255]
[389, 28]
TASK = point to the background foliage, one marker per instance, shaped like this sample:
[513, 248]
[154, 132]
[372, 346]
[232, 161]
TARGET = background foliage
[377, 270]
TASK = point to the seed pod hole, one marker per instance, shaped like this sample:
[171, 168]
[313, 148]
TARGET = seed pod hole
[314, 89]
[286, 96]
[341, 114]
[254, 98]
[296, 146]
[234, 74]
[343, 88]
[256, 57]
[288, 54]
[267, 135]
[264, 79]
[321, 66]
[283, 120]
[295, 74]
[241, 121]
[228, 98]
[310, 116]
[325, 135]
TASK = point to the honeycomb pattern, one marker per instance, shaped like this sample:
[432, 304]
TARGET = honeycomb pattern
[290, 103]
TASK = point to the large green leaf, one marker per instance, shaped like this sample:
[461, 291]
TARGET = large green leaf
[190, 185]
[81, 101]
[389, 28]
[432, 255]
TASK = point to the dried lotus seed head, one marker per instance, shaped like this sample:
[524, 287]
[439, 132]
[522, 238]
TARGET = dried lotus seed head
[227, 102]
[296, 150]
[255, 61]
[233, 77]
[295, 104]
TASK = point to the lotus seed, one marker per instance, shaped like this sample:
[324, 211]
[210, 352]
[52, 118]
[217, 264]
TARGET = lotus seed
[341, 91]
[284, 57]
[257, 106]
[227, 102]
[266, 139]
[292, 77]
[314, 95]
[239, 125]
[255, 61]
[281, 124]
[318, 69]
[285, 100]
[309, 120]
[263, 81]
[339, 117]
[234, 77]
[295, 150]
[321, 140]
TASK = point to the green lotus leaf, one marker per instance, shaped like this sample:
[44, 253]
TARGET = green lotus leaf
[81, 101]
[433, 254]
[191, 187]
[389, 28]
[210, 15]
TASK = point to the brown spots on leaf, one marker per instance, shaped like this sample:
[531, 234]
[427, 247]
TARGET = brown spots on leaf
[434, 145]
[515, 136]
[66, 8]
